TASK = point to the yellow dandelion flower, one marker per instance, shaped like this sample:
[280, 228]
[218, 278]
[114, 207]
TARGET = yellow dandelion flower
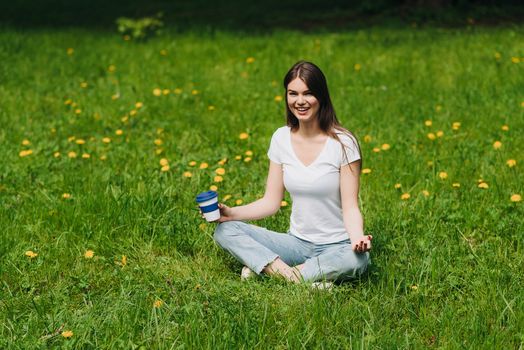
[357, 67]
[505, 128]
[213, 188]
[483, 185]
[187, 174]
[119, 132]
[166, 92]
[70, 51]
[111, 68]
[222, 161]
[106, 140]
[456, 185]
[455, 126]
[80, 141]
[443, 175]
[497, 144]
[72, 154]
[26, 142]
[177, 91]
[67, 334]
[376, 149]
[25, 153]
[250, 60]
[248, 153]
[158, 142]
[157, 92]
[159, 151]
[425, 193]
[366, 171]
[238, 157]
[243, 135]
[515, 198]
[385, 147]
[71, 138]
[428, 123]
[522, 104]
[132, 112]
[397, 186]
[431, 136]
[165, 168]
[218, 178]
[405, 196]
[164, 161]
[68, 102]
[83, 84]
[239, 201]
[278, 98]
[283, 204]
[511, 162]
[31, 254]
[89, 254]
[203, 165]
[123, 260]
[247, 159]
[86, 155]
[158, 303]
[103, 157]
[220, 171]
[414, 287]
[226, 197]
[367, 138]
[440, 133]
[78, 111]
[66, 195]
[194, 92]
[124, 119]
[163, 52]
[56, 154]
[211, 108]
[192, 163]
[139, 105]
[515, 59]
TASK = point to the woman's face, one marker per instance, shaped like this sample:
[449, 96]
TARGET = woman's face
[301, 101]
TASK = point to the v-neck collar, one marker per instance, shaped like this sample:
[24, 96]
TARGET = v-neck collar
[296, 156]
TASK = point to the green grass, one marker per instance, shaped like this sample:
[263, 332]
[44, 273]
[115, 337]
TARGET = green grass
[447, 268]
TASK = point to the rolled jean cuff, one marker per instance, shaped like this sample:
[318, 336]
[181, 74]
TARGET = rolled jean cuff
[261, 265]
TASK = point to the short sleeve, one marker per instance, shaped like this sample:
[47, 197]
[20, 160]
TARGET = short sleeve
[273, 152]
[350, 151]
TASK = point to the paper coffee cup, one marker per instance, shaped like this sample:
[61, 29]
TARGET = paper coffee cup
[208, 203]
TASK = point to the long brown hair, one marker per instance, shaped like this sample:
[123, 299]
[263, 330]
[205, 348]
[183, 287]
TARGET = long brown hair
[316, 82]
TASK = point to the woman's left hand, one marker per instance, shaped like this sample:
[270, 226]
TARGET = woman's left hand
[362, 244]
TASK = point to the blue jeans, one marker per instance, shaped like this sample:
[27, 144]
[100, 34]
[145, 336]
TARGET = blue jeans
[256, 247]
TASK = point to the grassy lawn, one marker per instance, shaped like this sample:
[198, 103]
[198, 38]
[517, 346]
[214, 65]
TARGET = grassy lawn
[106, 142]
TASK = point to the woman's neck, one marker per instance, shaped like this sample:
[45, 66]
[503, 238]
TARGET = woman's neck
[309, 129]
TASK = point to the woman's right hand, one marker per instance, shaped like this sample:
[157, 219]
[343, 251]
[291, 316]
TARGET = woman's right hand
[225, 213]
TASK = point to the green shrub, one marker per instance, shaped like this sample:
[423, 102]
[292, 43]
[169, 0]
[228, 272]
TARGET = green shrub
[140, 29]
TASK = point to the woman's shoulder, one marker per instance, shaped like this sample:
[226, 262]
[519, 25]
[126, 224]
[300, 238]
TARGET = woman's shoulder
[281, 132]
[345, 136]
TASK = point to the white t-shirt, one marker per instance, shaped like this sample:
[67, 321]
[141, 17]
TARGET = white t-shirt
[316, 212]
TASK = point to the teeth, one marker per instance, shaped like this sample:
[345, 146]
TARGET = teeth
[302, 109]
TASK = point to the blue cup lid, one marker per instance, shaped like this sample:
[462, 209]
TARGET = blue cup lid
[205, 196]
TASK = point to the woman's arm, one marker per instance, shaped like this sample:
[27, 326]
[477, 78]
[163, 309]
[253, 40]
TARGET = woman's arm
[265, 206]
[353, 221]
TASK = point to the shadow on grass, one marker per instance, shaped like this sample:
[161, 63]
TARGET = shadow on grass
[260, 16]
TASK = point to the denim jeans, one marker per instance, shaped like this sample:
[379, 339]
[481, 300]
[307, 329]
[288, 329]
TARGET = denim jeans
[256, 247]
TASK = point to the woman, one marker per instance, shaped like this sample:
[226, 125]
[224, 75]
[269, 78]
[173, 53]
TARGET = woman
[318, 162]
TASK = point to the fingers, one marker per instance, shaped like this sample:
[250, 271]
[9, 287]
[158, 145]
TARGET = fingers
[363, 245]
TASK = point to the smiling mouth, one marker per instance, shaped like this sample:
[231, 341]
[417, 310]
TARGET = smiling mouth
[302, 109]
